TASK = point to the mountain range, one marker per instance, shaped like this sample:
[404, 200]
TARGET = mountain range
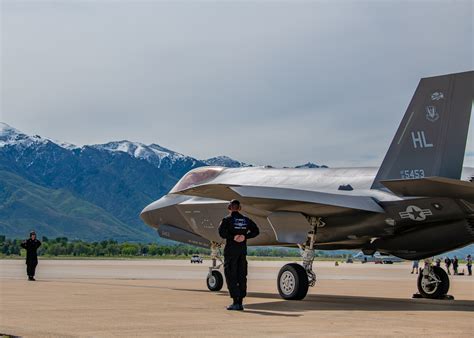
[89, 192]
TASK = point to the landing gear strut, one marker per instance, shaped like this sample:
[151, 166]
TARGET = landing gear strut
[433, 282]
[214, 279]
[294, 279]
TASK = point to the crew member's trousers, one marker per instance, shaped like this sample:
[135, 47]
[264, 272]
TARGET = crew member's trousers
[31, 268]
[235, 270]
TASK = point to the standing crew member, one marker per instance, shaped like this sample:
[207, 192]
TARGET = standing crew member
[455, 265]
[469, 264]
[236, 229]
[447, 262]
[31, 245]
[415, 266]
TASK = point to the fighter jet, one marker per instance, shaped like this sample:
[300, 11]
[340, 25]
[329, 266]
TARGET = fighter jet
[418, 204]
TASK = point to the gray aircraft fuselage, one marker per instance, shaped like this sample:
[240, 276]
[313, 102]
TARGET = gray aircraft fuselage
[386, 230]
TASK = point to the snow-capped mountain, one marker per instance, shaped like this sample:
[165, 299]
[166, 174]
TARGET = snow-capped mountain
[225, 161]
[10, 136]
[155, 154]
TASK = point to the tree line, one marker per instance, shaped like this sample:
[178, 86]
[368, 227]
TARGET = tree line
[62, 246]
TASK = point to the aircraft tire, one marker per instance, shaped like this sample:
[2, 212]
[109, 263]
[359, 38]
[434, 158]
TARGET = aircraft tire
[215, 281]
[292, 282]
[434, 291]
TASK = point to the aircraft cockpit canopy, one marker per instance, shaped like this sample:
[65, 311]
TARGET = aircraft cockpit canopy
[196, 177]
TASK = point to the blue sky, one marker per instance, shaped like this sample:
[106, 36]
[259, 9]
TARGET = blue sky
[264, 82]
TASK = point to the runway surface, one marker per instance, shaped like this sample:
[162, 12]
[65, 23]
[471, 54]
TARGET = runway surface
[170, 298]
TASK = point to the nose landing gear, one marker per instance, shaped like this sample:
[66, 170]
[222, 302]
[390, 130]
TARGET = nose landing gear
[214, 279]
[294, 279]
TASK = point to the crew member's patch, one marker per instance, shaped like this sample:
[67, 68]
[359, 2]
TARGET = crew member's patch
[240, 223]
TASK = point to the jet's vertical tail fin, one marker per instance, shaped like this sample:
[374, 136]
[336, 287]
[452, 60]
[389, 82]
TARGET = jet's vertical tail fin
[431, 139]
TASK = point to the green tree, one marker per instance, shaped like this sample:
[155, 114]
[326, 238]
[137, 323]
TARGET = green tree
[129, 249]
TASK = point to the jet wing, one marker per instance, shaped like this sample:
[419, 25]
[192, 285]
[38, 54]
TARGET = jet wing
[432, 187]
[277, 199]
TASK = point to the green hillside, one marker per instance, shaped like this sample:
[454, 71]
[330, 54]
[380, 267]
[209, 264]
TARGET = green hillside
[57, 212]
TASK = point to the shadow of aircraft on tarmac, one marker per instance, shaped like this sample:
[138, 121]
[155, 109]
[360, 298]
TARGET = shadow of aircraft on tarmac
[314, 302]
[348, 303]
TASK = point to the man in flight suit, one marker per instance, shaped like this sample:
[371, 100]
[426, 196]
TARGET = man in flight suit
[31, 245]
[236, 229]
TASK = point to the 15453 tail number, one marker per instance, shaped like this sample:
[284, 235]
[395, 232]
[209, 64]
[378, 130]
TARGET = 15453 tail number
[412, 173]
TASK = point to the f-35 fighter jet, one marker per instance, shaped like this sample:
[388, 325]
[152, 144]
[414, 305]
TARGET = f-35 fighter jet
[419, 203]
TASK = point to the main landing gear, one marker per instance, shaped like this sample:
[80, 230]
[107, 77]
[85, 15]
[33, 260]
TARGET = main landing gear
[214, 279]
[294, 279]
[433, 282]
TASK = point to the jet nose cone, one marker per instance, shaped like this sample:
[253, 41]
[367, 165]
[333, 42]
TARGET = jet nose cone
[162, 210]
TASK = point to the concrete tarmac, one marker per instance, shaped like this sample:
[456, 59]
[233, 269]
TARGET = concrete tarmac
[106, 298]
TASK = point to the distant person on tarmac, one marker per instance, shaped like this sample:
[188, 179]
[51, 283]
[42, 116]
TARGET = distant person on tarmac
[415, 266]
[31, 245]
[438, 262]
[469, 264]
[236, 229]
[447, 262]
[455, 265]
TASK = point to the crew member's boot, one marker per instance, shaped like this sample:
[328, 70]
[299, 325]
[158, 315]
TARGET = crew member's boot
[235, 305]
[241, 306]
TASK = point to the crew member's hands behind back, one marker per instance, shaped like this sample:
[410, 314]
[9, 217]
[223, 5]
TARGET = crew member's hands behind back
[239, 238]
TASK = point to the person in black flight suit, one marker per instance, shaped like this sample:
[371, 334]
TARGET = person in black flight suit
[31, 245]
[236, 229]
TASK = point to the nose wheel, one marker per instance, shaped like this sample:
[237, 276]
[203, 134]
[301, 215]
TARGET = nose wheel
[293, 282]
[214, 279]
[294, 279]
